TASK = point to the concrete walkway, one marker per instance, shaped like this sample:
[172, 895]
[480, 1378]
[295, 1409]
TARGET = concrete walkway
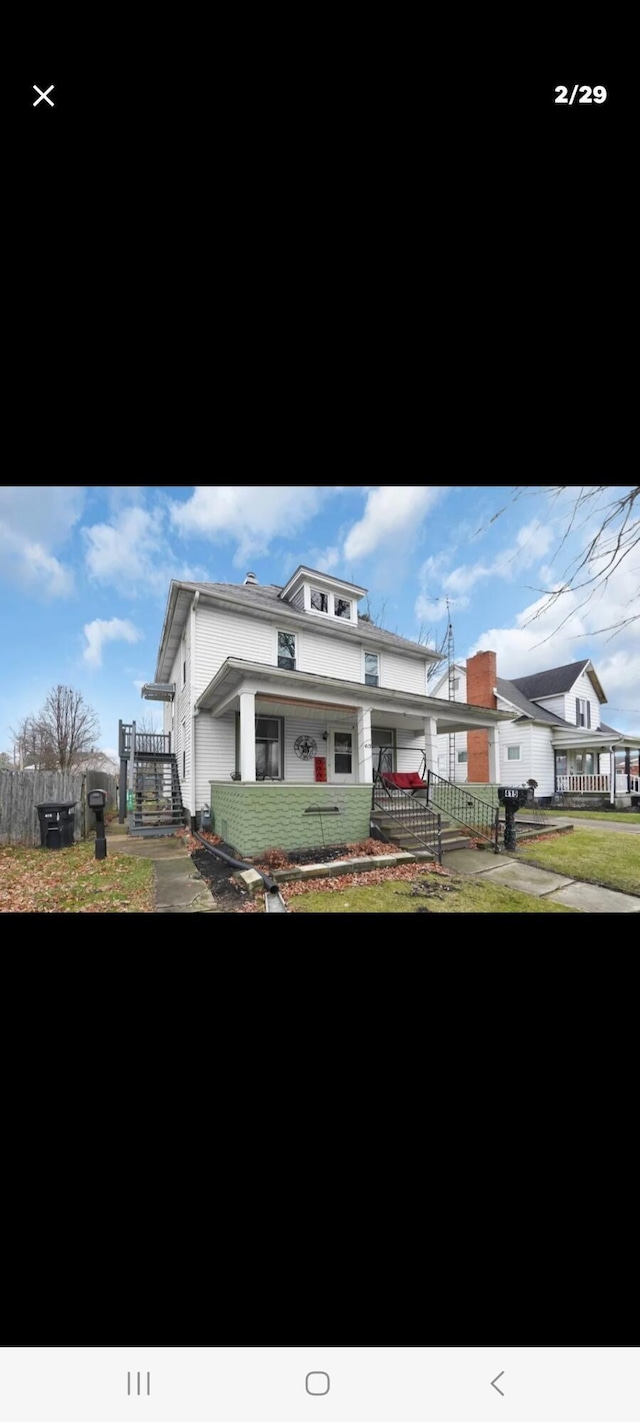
[632, 828]
[179, 887]
[540, 883]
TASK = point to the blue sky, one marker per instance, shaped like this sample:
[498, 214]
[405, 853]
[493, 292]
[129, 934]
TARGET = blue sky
[85, 574]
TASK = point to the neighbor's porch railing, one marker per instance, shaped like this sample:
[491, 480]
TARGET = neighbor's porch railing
[634, 784]
[584, 784]
[147, 743]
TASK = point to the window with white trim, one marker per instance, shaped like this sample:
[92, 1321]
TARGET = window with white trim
[455, 685]
[342, 607]
[583, 712]
[513, 752]
[287, 650]
[371, 669]
[462, 757]
[319, 600]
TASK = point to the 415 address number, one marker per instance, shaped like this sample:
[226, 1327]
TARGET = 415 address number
[589, 95]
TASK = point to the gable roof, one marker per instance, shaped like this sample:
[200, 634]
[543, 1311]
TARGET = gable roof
[557, 681]
[510, 691]
[265, 598]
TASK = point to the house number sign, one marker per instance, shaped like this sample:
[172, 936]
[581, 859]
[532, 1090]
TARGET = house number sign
[305, 747]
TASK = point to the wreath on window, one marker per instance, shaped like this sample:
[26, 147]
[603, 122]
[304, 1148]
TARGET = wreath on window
[305, 747]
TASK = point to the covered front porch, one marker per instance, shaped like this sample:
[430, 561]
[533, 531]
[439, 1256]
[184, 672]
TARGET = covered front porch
[307, 748]
[613, 771]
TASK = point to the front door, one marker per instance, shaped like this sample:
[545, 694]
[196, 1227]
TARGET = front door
[343, 770]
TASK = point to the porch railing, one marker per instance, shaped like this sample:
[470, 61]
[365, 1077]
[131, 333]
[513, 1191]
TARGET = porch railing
[147, 743]
[584, 784]
[410, 814]
[634, 784]
[455, 802]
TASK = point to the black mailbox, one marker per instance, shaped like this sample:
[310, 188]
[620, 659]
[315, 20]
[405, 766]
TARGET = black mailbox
[96, 800]
[514, 796]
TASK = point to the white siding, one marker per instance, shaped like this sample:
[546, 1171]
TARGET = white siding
[442, 746]
[183, 712]
[301, 772]
[515, 772]
[411, 758]
[298, 600]
[542, 760]
[215, 752]
[401, 673]
[443, 691]
[221, 634]
[585, 691]
[330, 656]
[556, 705]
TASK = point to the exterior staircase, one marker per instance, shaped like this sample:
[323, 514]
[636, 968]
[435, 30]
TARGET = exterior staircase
[157, 801]
[442, 816]
[414, 831]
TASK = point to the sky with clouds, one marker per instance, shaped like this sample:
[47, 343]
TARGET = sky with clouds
[85, 575]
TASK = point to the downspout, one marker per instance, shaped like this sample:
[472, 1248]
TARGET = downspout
[192, 665]
[612, 775]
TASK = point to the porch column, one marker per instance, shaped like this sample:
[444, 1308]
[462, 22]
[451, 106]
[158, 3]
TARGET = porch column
[365, 753]
[612, 775]
[248, 735]
[492, 737]
[431, 744]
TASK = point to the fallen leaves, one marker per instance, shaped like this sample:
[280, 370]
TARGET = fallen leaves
[360, 880]
[73, 881]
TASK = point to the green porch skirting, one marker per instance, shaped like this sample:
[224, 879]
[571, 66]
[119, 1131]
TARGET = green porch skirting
[255, 817]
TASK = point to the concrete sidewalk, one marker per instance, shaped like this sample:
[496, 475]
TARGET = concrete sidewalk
[632, 828]
[179, 888]
[540, 883]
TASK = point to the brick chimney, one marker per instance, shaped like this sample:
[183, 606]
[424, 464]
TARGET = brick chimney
[481, 679]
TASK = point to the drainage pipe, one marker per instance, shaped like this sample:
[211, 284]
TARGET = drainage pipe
[269, 884]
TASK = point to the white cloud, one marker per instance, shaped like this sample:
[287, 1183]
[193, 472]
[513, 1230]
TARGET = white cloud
[34, 521]
[99, 631]
[326, 561]
[390, 510]
[132, 552]
[252, 516]
[572, 629]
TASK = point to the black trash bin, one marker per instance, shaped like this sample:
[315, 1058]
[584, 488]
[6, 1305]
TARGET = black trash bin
[57, 823]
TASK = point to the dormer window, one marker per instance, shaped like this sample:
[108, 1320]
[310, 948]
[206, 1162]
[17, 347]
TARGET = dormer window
[343, 608]
[319, 601]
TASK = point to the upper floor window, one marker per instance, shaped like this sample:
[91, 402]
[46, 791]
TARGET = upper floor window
[513, 752]
[319, 601]
[371, 669]
[343, 608]
[462, 757]
[583, 713]
[287, 650]
[455, 683]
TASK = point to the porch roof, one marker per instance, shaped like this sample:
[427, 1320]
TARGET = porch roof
[592, 740]
[299, 688]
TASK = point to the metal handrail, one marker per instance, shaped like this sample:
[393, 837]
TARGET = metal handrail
[423, 824]
[482, 820]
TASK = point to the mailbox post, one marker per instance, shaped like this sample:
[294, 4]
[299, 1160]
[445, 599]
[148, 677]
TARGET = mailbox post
[96, 800]
[512, 797]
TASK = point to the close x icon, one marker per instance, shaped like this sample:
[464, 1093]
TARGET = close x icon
[44, 94]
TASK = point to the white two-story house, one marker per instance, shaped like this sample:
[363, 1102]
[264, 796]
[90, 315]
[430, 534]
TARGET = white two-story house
[557, 735]
[281, 702]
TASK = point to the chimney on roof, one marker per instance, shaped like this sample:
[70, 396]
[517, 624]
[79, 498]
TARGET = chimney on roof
[250, 578]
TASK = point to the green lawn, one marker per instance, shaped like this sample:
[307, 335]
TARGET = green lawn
[395, 896]
[73, 881]
[616, 815]
[592, 855]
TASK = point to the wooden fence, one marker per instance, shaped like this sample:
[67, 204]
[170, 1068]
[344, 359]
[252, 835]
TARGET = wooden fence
[22, 790]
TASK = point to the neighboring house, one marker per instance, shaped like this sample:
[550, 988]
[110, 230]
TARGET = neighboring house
[279, 704]
[557, 735]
